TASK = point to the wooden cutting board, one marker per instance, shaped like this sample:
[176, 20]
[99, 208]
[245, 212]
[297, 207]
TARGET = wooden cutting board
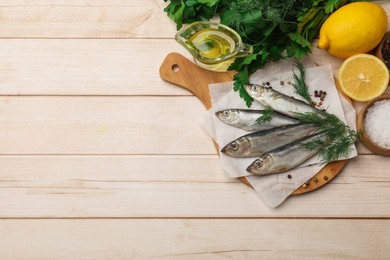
[178, 70]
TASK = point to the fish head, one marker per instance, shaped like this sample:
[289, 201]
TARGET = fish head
[228, 116]
[255, 91]
[261, 166]
[237, 148]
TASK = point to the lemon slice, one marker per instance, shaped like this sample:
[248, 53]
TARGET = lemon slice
[363, 77]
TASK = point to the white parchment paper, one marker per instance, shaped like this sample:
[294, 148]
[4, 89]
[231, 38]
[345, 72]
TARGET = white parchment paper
[274, 189]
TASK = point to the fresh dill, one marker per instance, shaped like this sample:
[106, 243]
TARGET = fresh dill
[339, 136]
[299, 84]
[339, 147]
[266, 116]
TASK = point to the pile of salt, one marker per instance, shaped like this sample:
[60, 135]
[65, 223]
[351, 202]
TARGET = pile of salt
[377, 123]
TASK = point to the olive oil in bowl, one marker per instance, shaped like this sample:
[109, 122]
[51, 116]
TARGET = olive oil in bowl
[213, 46]
[212, 43]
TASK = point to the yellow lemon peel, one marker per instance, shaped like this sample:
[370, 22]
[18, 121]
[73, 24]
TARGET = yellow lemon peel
[354, 28]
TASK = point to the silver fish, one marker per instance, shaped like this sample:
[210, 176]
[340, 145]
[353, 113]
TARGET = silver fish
[279, 101]
[258, 143]
[286, 157]
[246, 119]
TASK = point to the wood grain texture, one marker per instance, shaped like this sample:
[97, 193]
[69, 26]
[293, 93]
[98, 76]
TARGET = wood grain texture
[195, 239]
[85, 19]
[85, 67]
[102, 125]
[180, 71]
[174, 186]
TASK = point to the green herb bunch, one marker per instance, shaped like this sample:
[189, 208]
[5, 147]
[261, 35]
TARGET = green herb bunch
[277, 29]
[339, 136]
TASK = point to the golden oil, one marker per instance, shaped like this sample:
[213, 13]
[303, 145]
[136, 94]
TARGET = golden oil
[213, 46]
[212, 43]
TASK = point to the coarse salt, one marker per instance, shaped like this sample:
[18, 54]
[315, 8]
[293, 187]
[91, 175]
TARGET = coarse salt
[377, 123]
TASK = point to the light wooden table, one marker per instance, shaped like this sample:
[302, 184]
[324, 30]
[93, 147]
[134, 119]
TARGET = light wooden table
[101, 159]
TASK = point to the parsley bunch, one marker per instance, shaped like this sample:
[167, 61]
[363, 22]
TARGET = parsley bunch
[277, 29]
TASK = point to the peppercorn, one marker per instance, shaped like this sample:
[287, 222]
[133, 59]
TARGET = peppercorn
[282, 82]
[289, 176]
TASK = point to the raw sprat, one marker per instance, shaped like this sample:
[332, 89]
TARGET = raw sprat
[279, 102]
[257, 143]
[254, 120]
[286, 157]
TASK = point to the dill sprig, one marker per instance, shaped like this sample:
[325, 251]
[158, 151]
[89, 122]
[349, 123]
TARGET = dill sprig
[327, 122]
[266, 115]
[339, 136]
[340, 146]
[299, 84]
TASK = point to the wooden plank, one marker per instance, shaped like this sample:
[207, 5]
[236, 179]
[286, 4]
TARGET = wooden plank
[102, 125]
[195, 239]
[174, 186]
[69, 171]
[85, 19]
[85, 67]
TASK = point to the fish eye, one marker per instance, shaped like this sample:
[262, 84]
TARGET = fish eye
[258, 163]
[234, 146]
[255, 88]
[226, 113]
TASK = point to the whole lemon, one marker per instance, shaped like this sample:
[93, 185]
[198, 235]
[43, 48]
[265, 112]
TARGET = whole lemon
[354, 28]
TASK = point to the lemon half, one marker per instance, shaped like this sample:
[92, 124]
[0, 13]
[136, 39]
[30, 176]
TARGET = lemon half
[363, 77]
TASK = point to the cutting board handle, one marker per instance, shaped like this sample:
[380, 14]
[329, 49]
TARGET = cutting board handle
[178, 70]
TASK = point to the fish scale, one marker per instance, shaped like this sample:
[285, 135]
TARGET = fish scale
[246, 119]
[280, 102]
[257, 143]
[286, 157]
